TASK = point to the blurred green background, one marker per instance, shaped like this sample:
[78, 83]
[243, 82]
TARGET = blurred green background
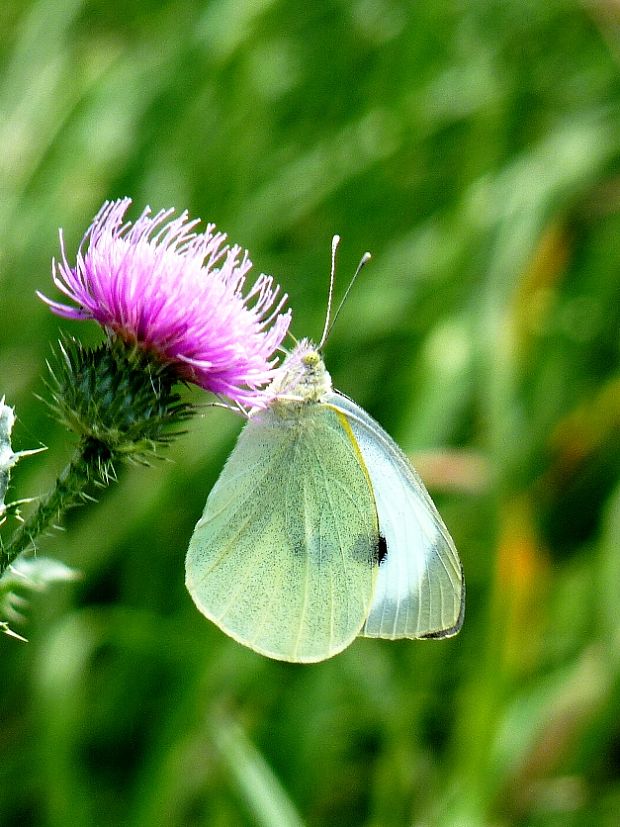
[474, 148]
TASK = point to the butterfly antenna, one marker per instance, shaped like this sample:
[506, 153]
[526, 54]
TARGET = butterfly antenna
[330, 295]
[364, 260]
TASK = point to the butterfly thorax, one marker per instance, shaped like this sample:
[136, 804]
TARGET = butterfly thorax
[301, 379]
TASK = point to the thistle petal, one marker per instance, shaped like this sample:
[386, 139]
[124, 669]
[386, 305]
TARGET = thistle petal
[179, 295]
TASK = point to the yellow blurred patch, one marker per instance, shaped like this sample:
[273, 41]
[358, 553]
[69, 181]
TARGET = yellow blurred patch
[521, 583]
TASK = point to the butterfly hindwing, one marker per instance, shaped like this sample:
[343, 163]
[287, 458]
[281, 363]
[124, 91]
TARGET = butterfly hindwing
[284, 558]
[420, 589]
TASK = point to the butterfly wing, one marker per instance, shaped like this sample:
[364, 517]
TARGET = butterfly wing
[420, 590]
[284, 558]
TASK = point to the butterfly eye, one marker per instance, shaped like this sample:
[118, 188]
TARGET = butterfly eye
[312, 359]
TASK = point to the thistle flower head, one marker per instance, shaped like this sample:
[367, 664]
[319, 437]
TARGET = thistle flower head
[178, 295]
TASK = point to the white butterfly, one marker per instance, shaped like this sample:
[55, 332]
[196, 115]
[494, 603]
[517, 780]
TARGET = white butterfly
[319, 530]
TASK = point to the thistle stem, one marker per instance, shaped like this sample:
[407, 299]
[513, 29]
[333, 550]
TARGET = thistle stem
[91, 463]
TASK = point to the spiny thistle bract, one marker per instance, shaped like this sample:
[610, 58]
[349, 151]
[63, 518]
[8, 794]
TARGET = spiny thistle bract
[116, 396]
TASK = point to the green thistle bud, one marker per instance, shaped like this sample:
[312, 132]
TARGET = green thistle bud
[119, 400]
[115, 396]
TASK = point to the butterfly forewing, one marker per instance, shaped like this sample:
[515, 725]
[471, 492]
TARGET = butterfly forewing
[284, 558]
[419, 590]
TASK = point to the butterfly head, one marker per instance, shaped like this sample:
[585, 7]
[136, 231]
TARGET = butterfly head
[302, 378]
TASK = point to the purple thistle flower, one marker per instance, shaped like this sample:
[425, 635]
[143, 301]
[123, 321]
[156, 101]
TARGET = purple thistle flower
[178, 295]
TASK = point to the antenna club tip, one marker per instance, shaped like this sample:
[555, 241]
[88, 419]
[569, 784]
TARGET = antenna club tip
[366, 257]
[335, 240]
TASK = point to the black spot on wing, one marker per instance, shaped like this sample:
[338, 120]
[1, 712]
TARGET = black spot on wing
[381, 549]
